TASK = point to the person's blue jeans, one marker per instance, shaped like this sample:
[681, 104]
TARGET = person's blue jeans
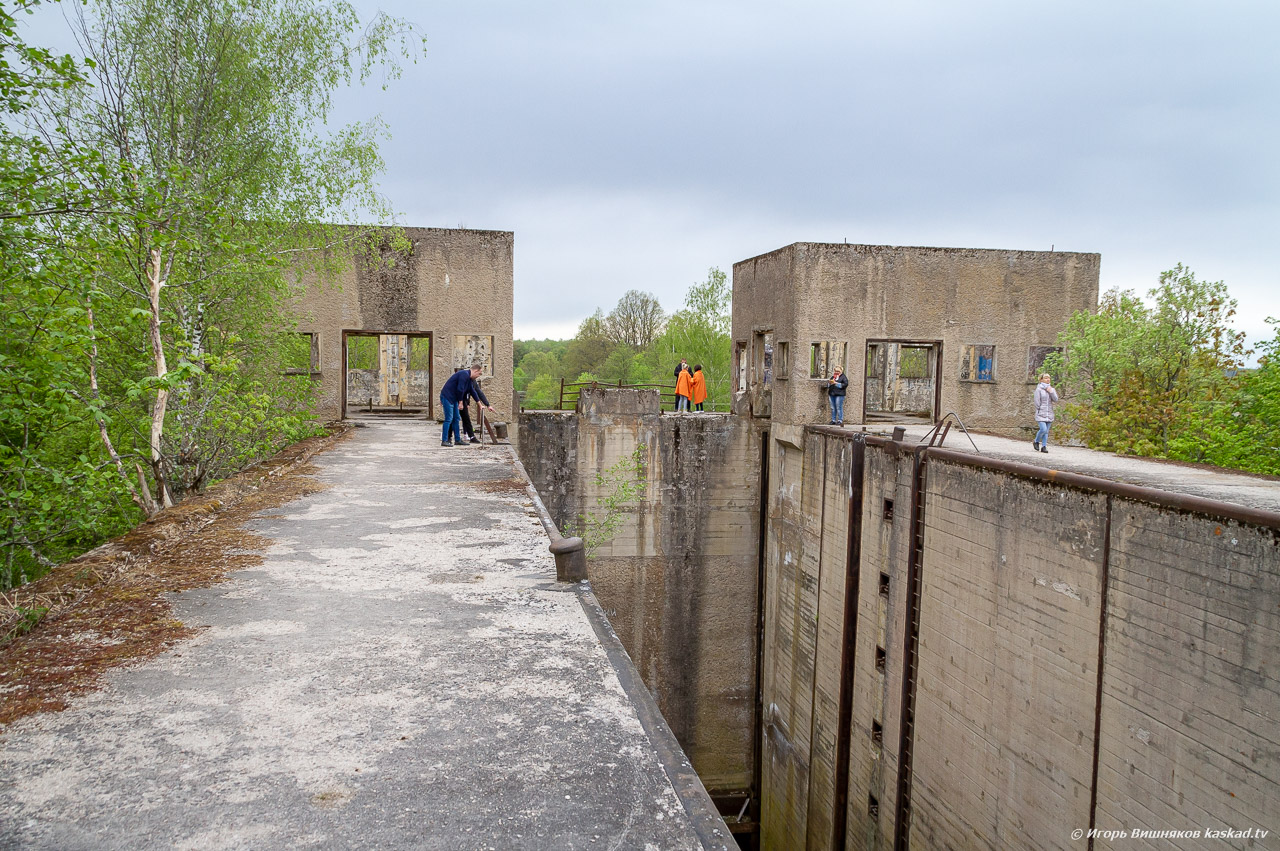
[837, 409]
[452, 422]
[682, 403]
[1042, 436]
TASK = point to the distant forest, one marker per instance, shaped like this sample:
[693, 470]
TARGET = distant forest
[636, 342]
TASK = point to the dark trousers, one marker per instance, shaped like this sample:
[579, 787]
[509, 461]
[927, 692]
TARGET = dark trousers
[466, 422]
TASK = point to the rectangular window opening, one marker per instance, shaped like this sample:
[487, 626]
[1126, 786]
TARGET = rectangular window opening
[875, 360]
[884, 585]
[880, 659]
[740, 365]
[783, 360]
[1035, 360]
[302, 353]
[978, 363]
[888, 509]
[825, 356]
[877, 732]
[873, 806]
[420, 354]
[362, 351]
[914, 362]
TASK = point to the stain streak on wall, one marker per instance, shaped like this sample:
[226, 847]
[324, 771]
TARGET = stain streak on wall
[1014, 573]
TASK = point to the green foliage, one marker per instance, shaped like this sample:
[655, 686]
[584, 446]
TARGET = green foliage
[542, 393]
[555, 348]
[1164, 380]
[619, 487]
[1242, 429]
[605, 349]
[590, 348]
[536, 364]
[699, 332]
[28, 618]
[150, 240]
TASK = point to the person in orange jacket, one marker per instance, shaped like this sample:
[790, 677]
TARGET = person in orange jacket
[684, 387]
[698, 384]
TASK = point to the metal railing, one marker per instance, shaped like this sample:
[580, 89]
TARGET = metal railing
[571, 390]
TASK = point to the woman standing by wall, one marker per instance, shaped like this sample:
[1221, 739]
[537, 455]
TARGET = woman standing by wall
[1043, 398]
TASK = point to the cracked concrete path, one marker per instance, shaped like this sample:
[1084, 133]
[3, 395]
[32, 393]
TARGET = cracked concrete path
[402, 671]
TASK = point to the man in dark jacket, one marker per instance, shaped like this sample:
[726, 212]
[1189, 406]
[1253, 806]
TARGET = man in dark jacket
[453, 395]
[836, 386]
[465, 411]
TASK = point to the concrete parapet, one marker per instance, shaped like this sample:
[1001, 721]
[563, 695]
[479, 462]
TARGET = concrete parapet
[678, 579]
[1029, 652]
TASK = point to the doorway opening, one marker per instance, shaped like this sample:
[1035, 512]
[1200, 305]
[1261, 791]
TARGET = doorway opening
[901, 381]
[386, 374]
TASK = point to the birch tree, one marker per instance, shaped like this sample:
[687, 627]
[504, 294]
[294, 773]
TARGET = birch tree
[219, 189]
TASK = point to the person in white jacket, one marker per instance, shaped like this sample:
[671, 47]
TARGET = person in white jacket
[1044, 398]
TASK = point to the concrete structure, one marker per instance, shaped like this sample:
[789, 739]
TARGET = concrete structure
[401, 671]
[918, 331]
[968, 651]
[1089, 650]
[679, 578]
[442, 304]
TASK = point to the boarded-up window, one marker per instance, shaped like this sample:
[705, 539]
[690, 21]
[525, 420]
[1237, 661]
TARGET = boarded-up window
[783, 360]
[1035, 360]
[978, 363]
[473, 348]
[825, 357]
[913, 362]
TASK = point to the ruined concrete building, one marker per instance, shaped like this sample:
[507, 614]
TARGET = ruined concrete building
[918, 331]
[391, 330]
[870, 643]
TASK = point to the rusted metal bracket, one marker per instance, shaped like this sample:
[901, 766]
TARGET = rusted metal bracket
[938, 434]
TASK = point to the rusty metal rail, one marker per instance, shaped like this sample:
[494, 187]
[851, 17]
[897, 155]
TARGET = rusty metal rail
[570, 391]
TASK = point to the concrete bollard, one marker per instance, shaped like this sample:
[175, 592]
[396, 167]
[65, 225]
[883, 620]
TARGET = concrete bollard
[899, 432]
[571, 559]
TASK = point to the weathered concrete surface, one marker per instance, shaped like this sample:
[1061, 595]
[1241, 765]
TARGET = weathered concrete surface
[679, 577]
[401, 672]
[1083, 656]
[1206, 482]
[808, 293]
[453, 284]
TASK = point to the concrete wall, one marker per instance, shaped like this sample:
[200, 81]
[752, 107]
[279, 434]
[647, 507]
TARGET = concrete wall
[679, 579]
[452, 283]
[849, 294]
[1082, 657]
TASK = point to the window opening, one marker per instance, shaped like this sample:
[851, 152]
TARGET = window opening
[1035, 360]
[978, 363]
[913, 362]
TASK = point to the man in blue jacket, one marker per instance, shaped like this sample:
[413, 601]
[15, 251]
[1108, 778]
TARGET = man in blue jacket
[453, 396]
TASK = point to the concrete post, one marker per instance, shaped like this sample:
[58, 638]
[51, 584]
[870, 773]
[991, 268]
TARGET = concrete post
[571, 559]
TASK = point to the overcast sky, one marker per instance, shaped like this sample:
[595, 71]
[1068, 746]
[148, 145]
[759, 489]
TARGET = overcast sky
[635, 145]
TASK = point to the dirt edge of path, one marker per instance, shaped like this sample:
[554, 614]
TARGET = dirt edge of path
[108, 607]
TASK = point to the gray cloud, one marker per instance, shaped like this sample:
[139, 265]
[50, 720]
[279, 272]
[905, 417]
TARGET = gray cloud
[634, 145]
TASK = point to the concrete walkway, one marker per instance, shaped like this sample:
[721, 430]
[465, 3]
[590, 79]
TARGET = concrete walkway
[1222, 485]
[401, 672]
